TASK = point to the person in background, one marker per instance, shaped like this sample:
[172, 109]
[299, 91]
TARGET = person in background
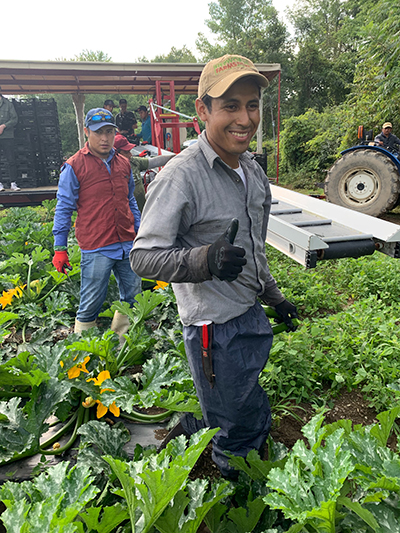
[387, 139]
[8, 121]
[138, 165]
[145, 134]
[203, 229]
[97, 182]
[109, 105]
[125, 119]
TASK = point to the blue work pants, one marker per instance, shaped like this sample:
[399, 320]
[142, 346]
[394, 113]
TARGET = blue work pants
[95, 274]
[237, 403]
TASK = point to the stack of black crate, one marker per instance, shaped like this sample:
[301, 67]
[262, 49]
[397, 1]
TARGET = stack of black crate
[37, 143]
[50, 149]
[27, 145]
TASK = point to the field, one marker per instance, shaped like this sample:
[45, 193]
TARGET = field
[332, 463]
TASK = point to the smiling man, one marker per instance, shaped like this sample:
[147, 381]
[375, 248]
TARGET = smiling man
[204, 229]
[97, 182]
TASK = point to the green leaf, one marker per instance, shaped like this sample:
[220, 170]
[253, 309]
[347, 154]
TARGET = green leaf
[247, 519]
[110, 518]
[55, 499]
[382, 431]
[128, 491]
[146, 301]
[23, 428]
[160, 373]
[325, 516]
[7, 316]
[180, 402]
[159, 479]
[253, 465]
[21, 371]
[15, 436]
[124, 393]
[102, 346]
[171, 517]
[363, 513]
[110, 440]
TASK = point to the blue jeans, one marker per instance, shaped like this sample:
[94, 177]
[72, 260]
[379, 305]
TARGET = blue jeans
[237, 403]
[95, 274]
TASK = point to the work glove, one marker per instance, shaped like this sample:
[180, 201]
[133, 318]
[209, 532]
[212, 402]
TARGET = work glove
[226, 261]
[287, 311]
[61, 261]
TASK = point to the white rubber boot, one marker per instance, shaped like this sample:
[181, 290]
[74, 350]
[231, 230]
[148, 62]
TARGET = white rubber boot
[120, 324]
[83, 326]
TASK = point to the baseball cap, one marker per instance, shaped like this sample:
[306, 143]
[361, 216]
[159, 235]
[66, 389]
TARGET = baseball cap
[219, 74]
[141, 108]
[122, 143]
[99, 117]
[123, 101]
[387, 125]
[109, 102]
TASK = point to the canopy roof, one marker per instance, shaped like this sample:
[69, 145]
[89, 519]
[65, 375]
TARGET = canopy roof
[81, 77]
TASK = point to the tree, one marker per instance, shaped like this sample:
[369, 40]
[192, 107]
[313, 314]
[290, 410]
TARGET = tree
[327, 34]
[247, 27]
[176, 55]
[252, 28]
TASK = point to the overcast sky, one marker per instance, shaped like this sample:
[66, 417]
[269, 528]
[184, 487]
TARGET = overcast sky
[47, 29]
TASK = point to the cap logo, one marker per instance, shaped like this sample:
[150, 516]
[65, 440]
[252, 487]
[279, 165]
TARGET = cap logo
[233, 63]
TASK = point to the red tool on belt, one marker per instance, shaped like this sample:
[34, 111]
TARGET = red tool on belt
[206, 358]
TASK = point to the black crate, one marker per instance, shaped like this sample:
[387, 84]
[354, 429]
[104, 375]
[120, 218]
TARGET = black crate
[45, 103]
[26, 122]
[37, 142]
[47, 121]
[54, 131]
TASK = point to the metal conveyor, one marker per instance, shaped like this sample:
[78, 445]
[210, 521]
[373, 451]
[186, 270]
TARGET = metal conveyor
[310, 230]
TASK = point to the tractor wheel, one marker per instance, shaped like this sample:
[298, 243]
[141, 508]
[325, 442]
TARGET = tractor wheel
[364, 180]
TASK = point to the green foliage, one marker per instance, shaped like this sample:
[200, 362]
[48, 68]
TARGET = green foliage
[380, 51]
[50, 503]
[347, 70]
[327, 33]
[176, 55]
[151, 484]
[310, 145]
[252, 29]
[330, 484]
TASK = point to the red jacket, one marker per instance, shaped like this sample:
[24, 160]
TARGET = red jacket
[104, 216]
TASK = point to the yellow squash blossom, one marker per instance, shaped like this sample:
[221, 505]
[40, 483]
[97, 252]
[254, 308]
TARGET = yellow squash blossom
[7, 297]
[102, 409]
[89, 402]
[161, 285]
[77, 369]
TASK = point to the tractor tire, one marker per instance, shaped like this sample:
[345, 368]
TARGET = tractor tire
[364, 180]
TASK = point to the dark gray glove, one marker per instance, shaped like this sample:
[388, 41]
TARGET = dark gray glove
[287, 311]
[226, 261]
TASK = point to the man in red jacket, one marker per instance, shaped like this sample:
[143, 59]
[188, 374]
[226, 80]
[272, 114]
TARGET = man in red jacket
[97, 182]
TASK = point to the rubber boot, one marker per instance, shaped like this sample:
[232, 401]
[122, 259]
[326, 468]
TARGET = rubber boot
[120, 324]
[83, 326]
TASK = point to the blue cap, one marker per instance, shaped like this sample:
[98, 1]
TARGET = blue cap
[97, 118]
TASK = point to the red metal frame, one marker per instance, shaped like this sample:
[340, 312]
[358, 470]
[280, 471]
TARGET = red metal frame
[279, 124]
[161, 120]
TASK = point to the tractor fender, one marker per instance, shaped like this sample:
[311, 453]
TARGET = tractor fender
[388, 154]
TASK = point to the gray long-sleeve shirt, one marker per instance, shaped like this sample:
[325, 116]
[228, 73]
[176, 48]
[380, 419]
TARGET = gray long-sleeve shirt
[189, 206]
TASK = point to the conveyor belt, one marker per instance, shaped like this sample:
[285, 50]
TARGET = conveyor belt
[310, 230]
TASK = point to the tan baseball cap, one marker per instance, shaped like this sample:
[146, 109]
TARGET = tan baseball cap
[219, 74]
[387, 125]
